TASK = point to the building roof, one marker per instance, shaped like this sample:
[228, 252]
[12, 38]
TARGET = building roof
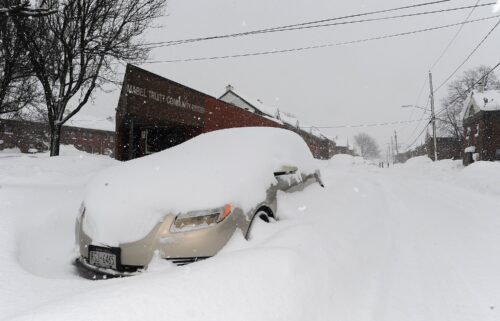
[254, 103]
[341, 141]
[487, 100]
[89, 118]
[94, 117]
[271, 112]
[92, 122]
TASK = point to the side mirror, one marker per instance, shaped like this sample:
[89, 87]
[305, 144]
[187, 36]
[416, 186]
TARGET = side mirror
[317, 175]
[285, 170]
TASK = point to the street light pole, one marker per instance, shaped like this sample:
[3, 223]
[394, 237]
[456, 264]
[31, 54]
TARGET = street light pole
[433, 117]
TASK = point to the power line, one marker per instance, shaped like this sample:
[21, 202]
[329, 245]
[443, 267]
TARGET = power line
[298, 24]
[179, 42]
[416, 139]
[468, 57]
[422, 118]
[454, 37]
[417, 100]
[322, 45]
[443, 109]
[365, 125]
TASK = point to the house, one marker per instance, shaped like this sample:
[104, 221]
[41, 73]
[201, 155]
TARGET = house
[323, 146]
[448, 147]
[248, 104]
[481, 122]
[342, 146]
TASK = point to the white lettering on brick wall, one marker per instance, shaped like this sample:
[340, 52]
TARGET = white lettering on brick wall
[175, 101]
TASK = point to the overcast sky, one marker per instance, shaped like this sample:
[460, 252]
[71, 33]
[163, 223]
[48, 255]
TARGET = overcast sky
[336, 86]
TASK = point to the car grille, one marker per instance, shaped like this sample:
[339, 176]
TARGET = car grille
[180, 261]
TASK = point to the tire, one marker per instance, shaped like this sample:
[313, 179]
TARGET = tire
[264, 214]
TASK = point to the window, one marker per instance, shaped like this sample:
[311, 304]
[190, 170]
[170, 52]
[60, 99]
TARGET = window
[477, 131]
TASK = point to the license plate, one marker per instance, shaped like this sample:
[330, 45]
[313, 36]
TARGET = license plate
[103, 257]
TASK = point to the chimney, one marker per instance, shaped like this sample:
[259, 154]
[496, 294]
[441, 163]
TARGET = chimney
[229, 88]
[480, 86]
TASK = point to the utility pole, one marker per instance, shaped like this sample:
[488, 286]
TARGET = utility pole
[387, 152]
[396, 142]
[433, 117]
[392, 150]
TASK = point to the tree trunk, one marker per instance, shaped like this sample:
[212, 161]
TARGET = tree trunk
[55, 140]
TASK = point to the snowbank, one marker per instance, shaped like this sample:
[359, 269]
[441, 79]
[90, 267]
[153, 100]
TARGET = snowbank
[417, 162]
[481, 176]
[227, 166]
[9, 151]
[72, 166]
[375, 244]
[341, 160]
[442, 169]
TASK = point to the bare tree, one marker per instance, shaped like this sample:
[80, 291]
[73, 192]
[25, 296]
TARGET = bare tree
[368, 147]
[450, 121]
[18, 86]
[75, 51]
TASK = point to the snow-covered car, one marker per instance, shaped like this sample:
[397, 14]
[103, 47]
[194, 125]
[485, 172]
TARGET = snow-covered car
[184, 204]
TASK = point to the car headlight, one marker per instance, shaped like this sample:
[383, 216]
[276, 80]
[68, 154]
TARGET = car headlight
[200, 219]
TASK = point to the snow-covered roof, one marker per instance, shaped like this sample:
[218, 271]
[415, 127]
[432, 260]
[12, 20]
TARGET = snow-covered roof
[94, 117]
[103, 120]
[288, 118]
[316, 132]
[341, 141]
[272, 112]
[258, 104]
[250, 104]
[92, 122]
[487, 100]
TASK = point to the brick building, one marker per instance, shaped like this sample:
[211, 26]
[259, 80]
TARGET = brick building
[447, 148]
[481, 121]
[155, 113]
[343, 146]
[31, 137]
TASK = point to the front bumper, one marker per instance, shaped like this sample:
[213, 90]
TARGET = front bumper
[92, 272]
[184, 247]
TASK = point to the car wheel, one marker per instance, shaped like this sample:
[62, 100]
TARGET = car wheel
[263, 214]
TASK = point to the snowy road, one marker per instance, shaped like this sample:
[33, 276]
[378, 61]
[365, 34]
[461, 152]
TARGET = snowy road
[418, 241]
[426, 250]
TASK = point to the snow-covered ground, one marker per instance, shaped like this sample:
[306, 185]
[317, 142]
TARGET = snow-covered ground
[418, 241]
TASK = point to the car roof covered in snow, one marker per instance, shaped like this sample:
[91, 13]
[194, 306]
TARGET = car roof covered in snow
[226, 166]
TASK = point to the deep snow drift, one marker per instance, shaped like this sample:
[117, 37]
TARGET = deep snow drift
[417, 241]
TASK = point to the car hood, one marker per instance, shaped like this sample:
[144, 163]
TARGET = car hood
[236, 166]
